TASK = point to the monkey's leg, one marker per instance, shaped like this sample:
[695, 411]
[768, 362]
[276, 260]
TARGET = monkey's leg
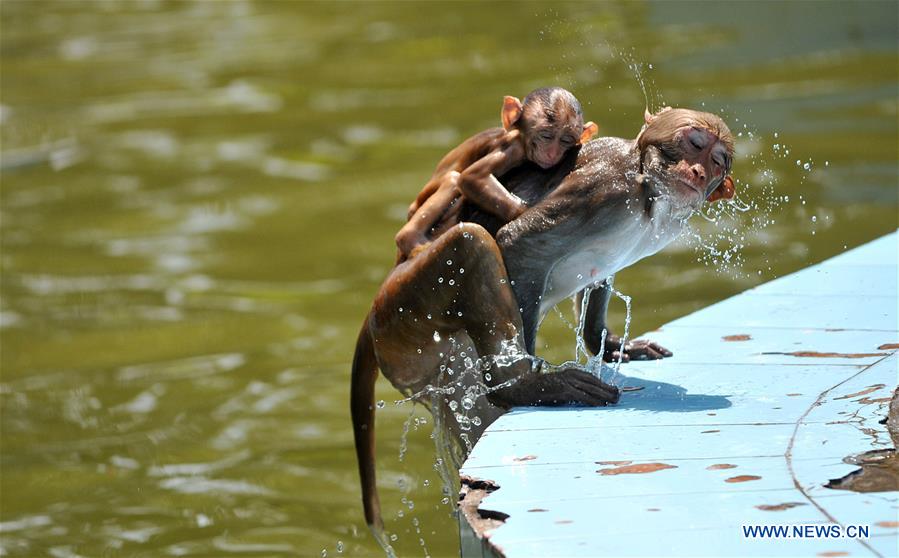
[479, 301]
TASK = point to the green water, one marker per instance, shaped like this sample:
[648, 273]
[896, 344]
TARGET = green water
[198, 204]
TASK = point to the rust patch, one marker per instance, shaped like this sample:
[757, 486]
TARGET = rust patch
[739, 337]
[834, 553]
[720, 466]
[793, 394]
[614, 462]
[525, 458]
[888, 346]
[636, 469]
[563, 522]
[538, 510]
[709, 431]
[780, 507]
[888, 524]
[866, 391]
[815, 354]
[630, 388]
[743, 478]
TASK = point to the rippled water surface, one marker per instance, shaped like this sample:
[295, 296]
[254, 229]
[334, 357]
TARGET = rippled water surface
[199, 201]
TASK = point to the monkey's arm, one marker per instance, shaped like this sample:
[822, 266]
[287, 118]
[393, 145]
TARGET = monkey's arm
[595, 325]
[458, 159]
[479, 185]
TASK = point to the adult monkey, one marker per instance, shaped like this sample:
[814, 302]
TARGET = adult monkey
[604, 207]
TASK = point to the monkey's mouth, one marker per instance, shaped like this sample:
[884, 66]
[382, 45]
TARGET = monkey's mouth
[693, 186]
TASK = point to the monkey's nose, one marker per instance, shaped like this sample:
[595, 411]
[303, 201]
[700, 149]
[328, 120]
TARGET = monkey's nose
[698, 172]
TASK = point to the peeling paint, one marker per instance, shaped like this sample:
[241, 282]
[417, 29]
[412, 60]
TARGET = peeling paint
[525, 458]
[888, 524]
[743, 478]
[613, 462]
[720, 466]
[888, 346]
[482, 521]
[866, 391]
[636, 469]
[709, 431]
[834, 553]
[815, 354]
[780, 507]
[867, 401]
[878, 472]
[739, 337]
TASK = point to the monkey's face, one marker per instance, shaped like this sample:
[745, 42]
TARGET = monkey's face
[547, 144]
[696, 161]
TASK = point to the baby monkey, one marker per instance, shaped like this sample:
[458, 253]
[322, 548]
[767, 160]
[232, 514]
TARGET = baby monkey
[541, 129]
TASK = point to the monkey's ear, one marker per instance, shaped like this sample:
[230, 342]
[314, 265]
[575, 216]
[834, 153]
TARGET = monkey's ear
[590, 130]
[724, 191]
[511, 111]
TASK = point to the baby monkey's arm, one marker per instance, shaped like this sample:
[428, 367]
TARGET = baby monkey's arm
[479, 185]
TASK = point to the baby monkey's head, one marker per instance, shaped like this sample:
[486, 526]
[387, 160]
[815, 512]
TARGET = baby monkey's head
[551, 122]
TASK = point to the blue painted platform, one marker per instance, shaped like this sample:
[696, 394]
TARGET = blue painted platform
[766, 395]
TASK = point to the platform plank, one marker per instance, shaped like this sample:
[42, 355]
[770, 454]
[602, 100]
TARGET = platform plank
[767, 394]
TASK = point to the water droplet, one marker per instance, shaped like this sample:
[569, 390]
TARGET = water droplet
[807, 166]
[467, 403]
[436, 337]
[814, 218]
[401, 309]
[461, 270]
[339, 547]
[449, 262]
[452, 282]
[393, 537]
[419, 351]
[381, 404]
[476, 421]
[426, 482]
[488, 377]
[429, 316]
[440, 279]
[324, 553]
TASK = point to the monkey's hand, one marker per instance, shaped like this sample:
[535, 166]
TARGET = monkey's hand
[571, 386]
[638, 349]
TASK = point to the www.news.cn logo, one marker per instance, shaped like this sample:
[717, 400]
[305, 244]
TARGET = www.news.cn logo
[805, 531]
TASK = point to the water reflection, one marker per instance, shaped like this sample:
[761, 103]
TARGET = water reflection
[199, 199]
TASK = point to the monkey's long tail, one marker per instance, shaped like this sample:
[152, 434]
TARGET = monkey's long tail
[362, 395]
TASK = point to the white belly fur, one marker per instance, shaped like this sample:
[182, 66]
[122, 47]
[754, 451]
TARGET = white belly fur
[599, 257]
